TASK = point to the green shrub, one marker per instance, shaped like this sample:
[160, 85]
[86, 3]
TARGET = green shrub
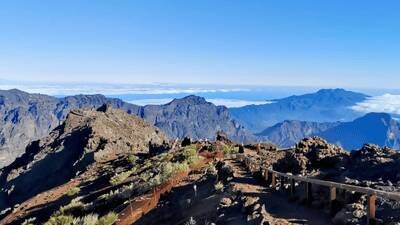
[219, 186]
[227, 149]
[123, 193]
[91, 219]
[132, 158]
[73, 191]
[108, 219]
[60, 220]
[121, 177]
[74, 205]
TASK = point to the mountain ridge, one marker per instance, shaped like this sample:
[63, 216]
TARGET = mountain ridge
[325, 105]
[26, 117]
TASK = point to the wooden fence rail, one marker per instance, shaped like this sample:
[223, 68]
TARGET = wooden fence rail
[271, 176]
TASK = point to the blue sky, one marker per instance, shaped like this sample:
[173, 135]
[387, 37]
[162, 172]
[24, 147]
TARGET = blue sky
[337, 43]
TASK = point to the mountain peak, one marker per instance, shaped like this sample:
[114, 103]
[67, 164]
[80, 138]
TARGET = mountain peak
[191, 99]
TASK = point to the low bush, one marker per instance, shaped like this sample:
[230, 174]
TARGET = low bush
[60, 220]
[73, 191]
[219, 186]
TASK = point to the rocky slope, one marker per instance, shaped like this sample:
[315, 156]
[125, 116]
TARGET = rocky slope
[326, 105]
[26, 117]
[86, 138]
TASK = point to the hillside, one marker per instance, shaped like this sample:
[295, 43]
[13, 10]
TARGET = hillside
[326, 105]
[86, 138]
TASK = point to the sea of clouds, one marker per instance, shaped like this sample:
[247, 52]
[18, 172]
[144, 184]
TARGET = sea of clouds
[388, 103]
[113, 89]
[230, 103]
[147, 94]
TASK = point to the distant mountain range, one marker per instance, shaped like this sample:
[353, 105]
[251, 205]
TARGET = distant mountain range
[289, 132]
[326, 105]
[26, 117]
[377, 128]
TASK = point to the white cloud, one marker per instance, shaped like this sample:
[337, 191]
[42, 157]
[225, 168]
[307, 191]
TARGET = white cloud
[112, 89]
[236, 102]
[387, 103]
[152, 101]
[225, 102]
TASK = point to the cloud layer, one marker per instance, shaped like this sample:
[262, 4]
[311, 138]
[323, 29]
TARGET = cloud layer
[113, 89]
[387, 103]
[220, 101]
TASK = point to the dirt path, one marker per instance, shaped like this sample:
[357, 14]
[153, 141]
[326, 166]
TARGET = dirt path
[277, 203]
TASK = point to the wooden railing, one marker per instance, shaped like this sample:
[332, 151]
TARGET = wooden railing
[271, 176]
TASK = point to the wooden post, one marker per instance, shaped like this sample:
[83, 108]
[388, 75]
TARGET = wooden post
[309, 193]
[266, 175]
[273, 180]
[371, 208]
[292, 187]
[282, 183]
[332, 199]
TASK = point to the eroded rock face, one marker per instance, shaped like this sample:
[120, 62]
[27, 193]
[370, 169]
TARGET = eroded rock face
[86, 138]
[374, 163]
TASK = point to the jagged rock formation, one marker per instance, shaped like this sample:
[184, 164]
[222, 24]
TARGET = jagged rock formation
[27, 117]
[369, 166]
[312, 154]
[87, 137]
[372, 162]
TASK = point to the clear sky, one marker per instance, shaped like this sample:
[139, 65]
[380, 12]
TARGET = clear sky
[346, 43]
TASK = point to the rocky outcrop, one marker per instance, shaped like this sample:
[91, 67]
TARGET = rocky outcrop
[374, 163]
[312, 154]
[86, 138]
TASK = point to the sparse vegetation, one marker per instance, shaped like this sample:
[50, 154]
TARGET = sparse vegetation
[191, 221]
[132, 158]
[73, 191]
[122, 176]
[123, 192]
[60, 220]
[90, 219]
[30, 221]
[228, 149]
[76, 205]
[219, 186]
[108, 219]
